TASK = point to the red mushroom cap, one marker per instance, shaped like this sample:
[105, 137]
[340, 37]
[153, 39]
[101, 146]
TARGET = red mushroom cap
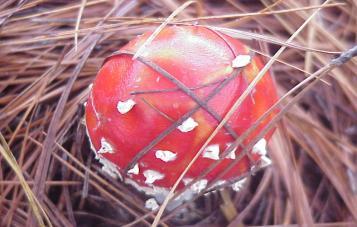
[132, 102]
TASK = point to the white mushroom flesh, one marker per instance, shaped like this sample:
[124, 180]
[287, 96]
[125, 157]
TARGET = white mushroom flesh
[151, 204]
[135, 170]
[237, 186]
[152, 176]
[199, 186]
[105, 147]
[110, 168]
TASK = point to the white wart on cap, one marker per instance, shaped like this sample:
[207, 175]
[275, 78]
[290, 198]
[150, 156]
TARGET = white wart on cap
[125, 106]
[165, 156]
[260, 147]
[241, 61]
[212, 152]
[188, 125]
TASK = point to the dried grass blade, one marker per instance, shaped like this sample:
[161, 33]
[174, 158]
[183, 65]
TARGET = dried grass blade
[34, 203]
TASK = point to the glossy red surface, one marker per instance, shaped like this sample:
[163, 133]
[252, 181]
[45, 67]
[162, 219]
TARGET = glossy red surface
[195, 56]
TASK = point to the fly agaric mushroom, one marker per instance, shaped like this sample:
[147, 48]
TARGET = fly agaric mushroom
[148, 117]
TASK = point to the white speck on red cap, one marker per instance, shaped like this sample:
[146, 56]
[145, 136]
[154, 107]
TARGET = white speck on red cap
[125, 106]
[151, 204]
[241, 61]
[188, 125]
[212, 152]
[105, 147]
[152, 176]
[165, 156]
[135, 170]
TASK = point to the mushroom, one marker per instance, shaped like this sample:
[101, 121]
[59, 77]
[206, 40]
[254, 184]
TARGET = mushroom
[149, 116]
